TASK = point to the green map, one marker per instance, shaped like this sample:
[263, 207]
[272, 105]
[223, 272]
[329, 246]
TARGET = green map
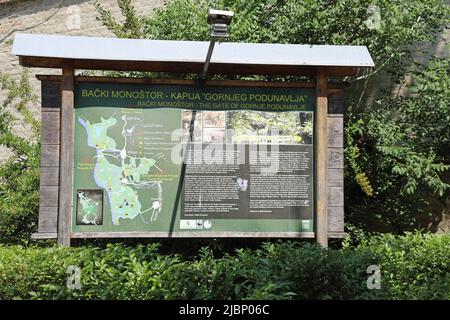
[123, 181]
[123, 165]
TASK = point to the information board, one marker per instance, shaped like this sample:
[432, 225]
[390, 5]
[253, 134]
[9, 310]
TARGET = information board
[193, 159]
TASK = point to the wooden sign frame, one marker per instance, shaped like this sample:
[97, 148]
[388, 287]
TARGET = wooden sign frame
[58, 152]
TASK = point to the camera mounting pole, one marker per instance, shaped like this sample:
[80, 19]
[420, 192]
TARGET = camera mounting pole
[220, 20]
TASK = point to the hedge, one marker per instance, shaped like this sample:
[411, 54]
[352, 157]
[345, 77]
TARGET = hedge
[413, 266]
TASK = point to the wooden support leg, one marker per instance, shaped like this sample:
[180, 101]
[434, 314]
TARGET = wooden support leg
[321, 157]
[66, 156]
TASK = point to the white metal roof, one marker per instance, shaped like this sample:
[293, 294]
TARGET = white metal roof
[96, 48]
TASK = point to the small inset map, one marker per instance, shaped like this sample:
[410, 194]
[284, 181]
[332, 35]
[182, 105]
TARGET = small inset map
[89, 207]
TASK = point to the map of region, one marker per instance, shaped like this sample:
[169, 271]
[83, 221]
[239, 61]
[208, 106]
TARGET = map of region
[119, 173]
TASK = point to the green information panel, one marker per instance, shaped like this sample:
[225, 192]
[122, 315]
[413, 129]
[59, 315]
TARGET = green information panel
[175, 159]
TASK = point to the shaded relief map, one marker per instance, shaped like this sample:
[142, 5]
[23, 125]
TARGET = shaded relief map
[123, 167]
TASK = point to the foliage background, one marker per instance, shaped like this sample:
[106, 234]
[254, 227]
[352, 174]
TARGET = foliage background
[19, 175]
[396, 147]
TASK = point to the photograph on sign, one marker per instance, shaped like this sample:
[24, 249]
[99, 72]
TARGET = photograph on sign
[89, 207]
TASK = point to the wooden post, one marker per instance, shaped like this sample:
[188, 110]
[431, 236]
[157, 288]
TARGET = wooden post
[65, 202]
[321, 146]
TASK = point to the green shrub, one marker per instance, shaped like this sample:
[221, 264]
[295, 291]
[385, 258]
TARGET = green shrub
[19, 174]
[400, 146]
[414, 266]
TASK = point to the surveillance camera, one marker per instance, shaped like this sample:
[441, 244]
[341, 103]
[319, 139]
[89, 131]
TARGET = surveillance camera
[219, 16]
